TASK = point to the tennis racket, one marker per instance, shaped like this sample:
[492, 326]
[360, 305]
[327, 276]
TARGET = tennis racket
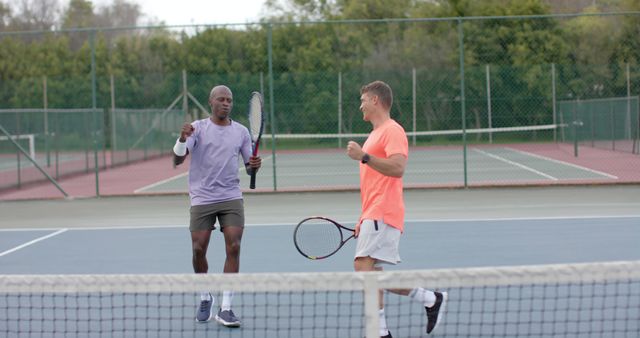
[256, 126]
[319, 237]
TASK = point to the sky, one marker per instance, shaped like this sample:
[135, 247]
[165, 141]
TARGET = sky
[187, 12]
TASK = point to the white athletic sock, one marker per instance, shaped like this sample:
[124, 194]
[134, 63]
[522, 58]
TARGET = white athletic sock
[383, 323]
[227, 297]
[424, 296]
[205, 295]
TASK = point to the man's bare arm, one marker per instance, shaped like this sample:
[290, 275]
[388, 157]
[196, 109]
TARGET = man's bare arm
[392, 166]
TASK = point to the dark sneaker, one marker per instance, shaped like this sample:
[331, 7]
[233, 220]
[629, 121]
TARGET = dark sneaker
[204, 310]
[388, 335]
[227, 318]
[434, 313]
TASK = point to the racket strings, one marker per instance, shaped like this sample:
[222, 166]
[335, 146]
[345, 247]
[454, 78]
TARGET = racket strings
[255, 116]
[318, 238]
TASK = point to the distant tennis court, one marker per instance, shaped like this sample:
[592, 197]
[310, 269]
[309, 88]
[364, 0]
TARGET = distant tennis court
[439, 166]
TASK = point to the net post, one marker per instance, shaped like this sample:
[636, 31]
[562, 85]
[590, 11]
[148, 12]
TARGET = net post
[371, 301]
[32, 148]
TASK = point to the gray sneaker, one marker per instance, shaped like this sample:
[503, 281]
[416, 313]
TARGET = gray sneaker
[204, 313]
[227, 318]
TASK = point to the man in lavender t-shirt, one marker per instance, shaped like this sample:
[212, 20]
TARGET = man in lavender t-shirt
[215, 145]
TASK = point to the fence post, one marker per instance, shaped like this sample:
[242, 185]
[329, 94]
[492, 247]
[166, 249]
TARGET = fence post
[413, 92]
[489, 122]
[112, 89]
[574, 125]
[628, 119]
[613, 126]
[94, 106]
[339, 109]
[272, 104]
[462, 100]
[45, 103]
[637, 138]
[553, 100]
[185, 97]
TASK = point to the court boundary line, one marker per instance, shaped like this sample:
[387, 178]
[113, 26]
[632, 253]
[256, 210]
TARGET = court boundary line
[521, 166]
[593, 171]
[461, 220]
[172, 178]
[166, 180]
[39, 239]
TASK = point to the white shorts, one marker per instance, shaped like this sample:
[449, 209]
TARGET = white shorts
[378, 241]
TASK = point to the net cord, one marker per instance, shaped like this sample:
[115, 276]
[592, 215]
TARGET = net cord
[264, 282]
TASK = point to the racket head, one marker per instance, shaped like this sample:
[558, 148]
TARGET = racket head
[319, 237]
[256, 126]
[256, 118]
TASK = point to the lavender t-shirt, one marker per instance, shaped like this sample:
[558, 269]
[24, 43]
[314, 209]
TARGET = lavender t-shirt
[215, 150]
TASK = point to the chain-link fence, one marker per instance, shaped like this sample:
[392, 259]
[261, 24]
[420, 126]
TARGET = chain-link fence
[475, 95]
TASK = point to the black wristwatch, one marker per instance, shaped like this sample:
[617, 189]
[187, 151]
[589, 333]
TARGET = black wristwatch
[365, 158]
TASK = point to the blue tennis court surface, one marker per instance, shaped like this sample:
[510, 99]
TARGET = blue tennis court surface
[445, 229]
[269, 248]
[102, 239]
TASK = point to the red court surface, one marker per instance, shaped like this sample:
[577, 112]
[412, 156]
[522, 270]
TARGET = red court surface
[122, 180]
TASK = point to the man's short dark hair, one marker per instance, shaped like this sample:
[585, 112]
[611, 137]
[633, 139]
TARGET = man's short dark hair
[381, 90]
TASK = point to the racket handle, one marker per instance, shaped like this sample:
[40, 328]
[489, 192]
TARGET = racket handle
[252, 185]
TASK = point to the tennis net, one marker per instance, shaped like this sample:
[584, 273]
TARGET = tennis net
[571, 300]
[498, 135]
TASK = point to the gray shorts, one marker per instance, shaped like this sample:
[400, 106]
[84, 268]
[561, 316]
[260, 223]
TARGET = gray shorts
[229, 213]
[378, 241]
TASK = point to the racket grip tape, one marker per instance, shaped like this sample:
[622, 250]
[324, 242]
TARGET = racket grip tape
[252, 185]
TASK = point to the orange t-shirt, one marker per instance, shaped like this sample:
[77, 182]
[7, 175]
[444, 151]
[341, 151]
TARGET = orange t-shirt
[382, 195]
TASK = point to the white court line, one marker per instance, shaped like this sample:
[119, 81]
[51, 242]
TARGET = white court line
[510, 219]
[124, 227]
[32, 242]
[536, 206]
[291, 224]
[516, 164]
[153, 185]
[562, 162]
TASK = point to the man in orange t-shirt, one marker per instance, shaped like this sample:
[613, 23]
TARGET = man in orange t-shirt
[383, 159]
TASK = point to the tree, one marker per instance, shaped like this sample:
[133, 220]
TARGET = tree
[5, 16]
[121, 13]
[79, 14]
[626, 48]
[300, 10]
[29, 15]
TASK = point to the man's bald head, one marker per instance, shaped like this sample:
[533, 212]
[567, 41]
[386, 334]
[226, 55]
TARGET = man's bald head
[218, 90]
[221, 102]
